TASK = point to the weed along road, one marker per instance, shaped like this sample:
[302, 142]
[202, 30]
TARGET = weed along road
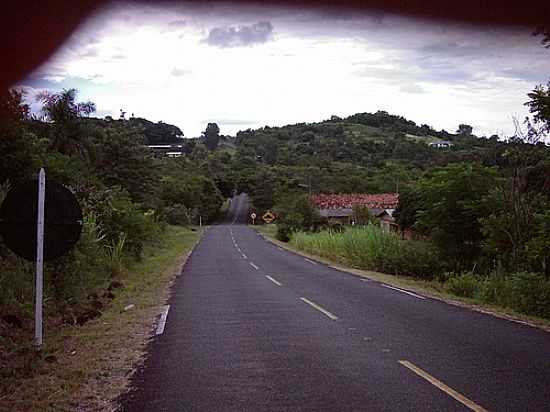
[252, 327]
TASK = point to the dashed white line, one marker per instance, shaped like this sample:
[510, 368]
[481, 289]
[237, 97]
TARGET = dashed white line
[320, 309]
[162, 321]
[365, 280]
[404, 291]
[274, 280]
[244, 256]
[311, 261]
[254, 266]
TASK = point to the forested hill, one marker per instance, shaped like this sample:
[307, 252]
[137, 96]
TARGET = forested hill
[365, 152]
[367, 139]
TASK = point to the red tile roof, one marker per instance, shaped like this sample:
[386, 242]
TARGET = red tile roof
[347, 200]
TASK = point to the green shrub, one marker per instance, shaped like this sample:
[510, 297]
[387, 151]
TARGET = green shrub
[283, 232]
[126, 216]
[178, 214]
[527, 293]
[465, 285]
[530, 294]
[370, 247]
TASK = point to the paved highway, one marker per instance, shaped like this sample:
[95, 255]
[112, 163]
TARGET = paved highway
[252, 327]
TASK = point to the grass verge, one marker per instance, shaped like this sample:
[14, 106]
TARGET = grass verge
[429, 288]
[86, 367]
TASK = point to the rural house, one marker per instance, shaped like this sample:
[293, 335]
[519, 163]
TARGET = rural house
[339, 207]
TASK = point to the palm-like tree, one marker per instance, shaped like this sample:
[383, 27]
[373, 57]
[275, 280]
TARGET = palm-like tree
[64, 112]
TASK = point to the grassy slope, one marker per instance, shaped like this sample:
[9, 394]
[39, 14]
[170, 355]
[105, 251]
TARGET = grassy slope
[90, 365]
[432, 289]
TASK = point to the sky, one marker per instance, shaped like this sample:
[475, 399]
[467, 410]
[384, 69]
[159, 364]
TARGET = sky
[250, 66]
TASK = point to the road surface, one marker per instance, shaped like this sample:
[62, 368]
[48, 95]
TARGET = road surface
[252, 327]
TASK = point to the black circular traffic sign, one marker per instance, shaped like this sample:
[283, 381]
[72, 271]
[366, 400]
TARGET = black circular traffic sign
[62, 220]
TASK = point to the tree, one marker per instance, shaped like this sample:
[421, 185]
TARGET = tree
[64, 112]
[464, 130]
[271, 152]
[295, 212]
[539, 105]
[452, 204]
[212, 136]
[20, 149]
[62, 107]
[263, 191]
[410, 202]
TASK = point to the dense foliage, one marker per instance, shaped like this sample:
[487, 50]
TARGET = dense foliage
[127, 195]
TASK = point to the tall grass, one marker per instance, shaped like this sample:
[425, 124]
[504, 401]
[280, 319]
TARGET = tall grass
[527, 293]
[370, 247]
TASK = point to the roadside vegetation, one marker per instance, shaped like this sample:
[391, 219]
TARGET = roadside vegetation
[479, 210]
[85, 367]
[139, 216]
[371, 248]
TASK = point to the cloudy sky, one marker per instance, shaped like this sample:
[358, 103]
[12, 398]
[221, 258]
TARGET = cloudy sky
[255, 66]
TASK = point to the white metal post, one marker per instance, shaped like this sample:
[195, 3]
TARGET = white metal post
[200, 221]
[38, 336]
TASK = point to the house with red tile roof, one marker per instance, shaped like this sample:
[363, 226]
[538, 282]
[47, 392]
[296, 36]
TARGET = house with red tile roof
[339, 207]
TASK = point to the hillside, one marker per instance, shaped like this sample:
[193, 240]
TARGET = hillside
[365, 152]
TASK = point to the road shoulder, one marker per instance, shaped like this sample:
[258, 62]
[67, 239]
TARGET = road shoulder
[429, 289]
[88, 367]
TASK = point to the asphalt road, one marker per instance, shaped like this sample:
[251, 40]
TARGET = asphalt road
[252, 327]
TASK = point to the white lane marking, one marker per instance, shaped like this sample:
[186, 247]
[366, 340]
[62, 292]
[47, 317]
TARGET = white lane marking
[441, 386]
[365, 280]
[244, 256]
[274, 280]
[254, 266]
[162, 321]
[280, 248]
[404, 291]
[320, 309]
[311, 261]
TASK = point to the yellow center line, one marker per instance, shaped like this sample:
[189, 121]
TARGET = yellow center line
[320, 309]
[440, 385]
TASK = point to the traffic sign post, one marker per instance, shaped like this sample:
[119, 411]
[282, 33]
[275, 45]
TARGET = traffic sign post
[253, 216]
[40, 225]
[38, 335]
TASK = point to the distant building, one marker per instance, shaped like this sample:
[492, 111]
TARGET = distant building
[166, 150]
[442, 144]
[339, 207]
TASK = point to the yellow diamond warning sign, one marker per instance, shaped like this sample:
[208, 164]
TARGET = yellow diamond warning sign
[268, 217]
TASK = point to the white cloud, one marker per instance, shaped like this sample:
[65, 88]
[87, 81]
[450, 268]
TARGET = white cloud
[153, 61]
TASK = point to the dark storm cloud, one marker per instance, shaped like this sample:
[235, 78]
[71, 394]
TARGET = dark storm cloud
[534, 75]
[452, 48]
[231, 36]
